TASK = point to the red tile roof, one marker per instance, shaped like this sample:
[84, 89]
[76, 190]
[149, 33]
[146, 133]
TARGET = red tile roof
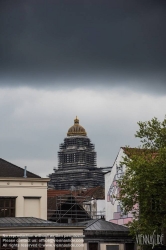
[53, 193]
[96, 192]
[138, 151]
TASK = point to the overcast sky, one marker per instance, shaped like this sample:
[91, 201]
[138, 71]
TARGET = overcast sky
[103, 61]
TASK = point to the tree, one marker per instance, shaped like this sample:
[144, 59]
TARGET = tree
[143, 186]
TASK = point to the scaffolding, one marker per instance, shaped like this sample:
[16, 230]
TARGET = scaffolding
[77, 165]
[69, 208]
[63, 180]
[76, 151]
[73, 208]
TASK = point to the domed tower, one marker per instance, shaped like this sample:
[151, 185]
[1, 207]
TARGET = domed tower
[77, 151]
[76, 161]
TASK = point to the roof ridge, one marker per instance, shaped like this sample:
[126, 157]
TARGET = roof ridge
[92, 223]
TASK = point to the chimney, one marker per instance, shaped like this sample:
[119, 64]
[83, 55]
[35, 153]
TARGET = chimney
[25, 172]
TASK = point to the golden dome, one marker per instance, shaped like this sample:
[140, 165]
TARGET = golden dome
[76, 129]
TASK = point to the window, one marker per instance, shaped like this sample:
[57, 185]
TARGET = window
[32, 206]
[129, 246]
[36, 243]
[112, 247]
[7, 207]
[63, 243]
[93, 245]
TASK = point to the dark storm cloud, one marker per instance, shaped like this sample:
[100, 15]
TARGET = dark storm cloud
[59, 40]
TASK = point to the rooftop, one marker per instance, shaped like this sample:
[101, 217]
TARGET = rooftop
[8, 169]
[138, 152]
[96, 192]
[33, 222]
[102, 225]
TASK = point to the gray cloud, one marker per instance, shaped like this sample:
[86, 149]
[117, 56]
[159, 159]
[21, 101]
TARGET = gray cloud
[59, 42]
[101, 60]
[35, 122]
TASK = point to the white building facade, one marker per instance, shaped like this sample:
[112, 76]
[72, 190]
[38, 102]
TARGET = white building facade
[23, 197]
[23, 214]
[113, 210]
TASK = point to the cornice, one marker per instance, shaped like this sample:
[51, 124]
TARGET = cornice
[22, 179]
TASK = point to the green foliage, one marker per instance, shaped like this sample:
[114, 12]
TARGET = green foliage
[152, 133]
[143, 186]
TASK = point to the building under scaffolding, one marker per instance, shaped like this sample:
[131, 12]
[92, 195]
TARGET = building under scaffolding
[76, 162]
[75, 206]
[68, 209]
